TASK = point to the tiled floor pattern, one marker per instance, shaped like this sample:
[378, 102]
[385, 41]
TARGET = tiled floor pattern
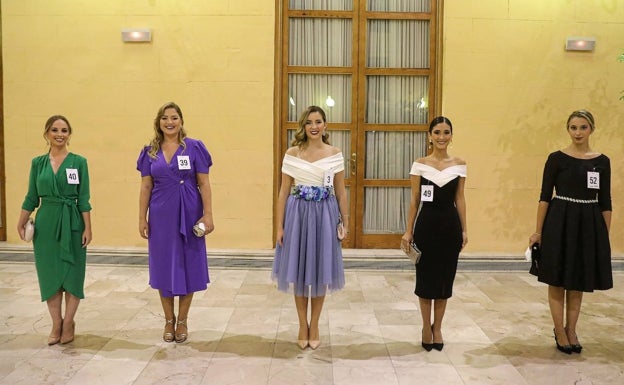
[242, 331]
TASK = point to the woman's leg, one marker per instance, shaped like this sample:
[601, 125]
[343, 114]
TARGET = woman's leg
[54, 307]
[301, 303]
[184, 306]
[71, 306]
[167, 305]
[573, 310]
[425, 313]
[315, 334]
[439, 308]
[316, 307]
[556, 304]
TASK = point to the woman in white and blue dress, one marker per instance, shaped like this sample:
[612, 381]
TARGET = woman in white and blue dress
[311, 202]
[438, 229]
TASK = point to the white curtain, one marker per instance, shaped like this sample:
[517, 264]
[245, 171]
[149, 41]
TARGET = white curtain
[320, 43]
[334, 5]
[394, 100]
[398, 5]
[330, 92]
[389, 155]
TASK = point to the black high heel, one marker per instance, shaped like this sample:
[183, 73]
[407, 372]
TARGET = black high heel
[567, 349]
[425, 346]
[577, 347]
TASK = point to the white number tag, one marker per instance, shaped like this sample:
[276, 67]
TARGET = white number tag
[184, 163]
[426, 193]
[72, 176]
[593, 180]
[328, 178]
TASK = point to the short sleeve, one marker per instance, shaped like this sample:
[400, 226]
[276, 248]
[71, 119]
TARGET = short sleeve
[548, 178]
[203, 160]
[144, 163]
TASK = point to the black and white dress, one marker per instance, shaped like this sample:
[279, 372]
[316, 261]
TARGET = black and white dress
[438, 231]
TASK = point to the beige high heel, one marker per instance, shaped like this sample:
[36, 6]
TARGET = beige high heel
[314, 344]
[71, 338]
[181, 337]
[53, 340]
[168, 336]
[303, 343]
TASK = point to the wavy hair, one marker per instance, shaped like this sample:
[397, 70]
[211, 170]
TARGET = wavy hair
[158, 138]
[301, 138]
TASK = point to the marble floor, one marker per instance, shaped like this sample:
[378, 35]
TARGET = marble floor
[242, 331]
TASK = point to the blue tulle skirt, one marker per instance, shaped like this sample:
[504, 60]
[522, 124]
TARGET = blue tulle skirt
[309, 263]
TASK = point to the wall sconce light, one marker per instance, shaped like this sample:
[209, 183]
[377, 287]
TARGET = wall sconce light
[580, 43]
[136, 35]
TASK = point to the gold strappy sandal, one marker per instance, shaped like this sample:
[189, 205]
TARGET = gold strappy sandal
[181, 337]
[168, 336]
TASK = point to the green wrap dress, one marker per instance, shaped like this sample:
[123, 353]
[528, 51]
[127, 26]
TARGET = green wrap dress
[60, 258]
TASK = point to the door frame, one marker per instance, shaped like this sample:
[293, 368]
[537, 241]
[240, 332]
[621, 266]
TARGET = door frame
[356, 183]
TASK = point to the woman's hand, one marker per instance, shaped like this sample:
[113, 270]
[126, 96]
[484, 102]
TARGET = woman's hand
[86, 237]
[535, 238]
[464, 239]
[407, 237]
[208, 222]
[280, 236]
[21, 230]
[143, 228]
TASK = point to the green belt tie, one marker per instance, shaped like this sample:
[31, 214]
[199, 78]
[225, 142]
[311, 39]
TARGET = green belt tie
[69, 221]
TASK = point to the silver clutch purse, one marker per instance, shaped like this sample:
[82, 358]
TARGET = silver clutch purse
[29, 230]
[199, 230]
[411, 250]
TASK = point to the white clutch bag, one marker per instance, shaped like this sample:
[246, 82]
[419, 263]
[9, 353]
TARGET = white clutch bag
[29, 230]
[199, 229]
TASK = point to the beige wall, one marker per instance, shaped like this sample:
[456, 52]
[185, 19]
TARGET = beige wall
[508, 86]
[214, 58]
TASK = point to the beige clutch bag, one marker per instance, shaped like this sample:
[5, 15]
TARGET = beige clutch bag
[29, 230]
[411, 250]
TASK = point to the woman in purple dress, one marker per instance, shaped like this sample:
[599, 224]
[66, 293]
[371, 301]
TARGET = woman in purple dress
[312, 200]
[175, 191]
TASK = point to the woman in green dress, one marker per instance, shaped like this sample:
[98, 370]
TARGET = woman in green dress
[59, 186]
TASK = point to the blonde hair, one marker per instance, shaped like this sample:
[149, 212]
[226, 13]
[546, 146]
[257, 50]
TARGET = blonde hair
[158, 134]
[301, 138]
[582, 114]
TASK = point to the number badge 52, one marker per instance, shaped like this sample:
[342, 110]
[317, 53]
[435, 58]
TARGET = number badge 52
[593, 180]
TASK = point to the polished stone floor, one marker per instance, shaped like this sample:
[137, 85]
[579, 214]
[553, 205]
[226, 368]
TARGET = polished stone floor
[242, 331]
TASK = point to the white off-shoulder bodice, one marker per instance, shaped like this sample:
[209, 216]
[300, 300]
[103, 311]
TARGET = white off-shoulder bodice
[439, 177]
[311, 173]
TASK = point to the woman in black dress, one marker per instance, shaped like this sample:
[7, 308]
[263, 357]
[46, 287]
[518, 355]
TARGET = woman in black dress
[440, 230]
[573, 228]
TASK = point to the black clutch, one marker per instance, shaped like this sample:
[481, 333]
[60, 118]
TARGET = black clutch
[536, 255]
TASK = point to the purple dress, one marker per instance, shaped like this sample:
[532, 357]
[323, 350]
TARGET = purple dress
[309, 263]
[178, 263]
